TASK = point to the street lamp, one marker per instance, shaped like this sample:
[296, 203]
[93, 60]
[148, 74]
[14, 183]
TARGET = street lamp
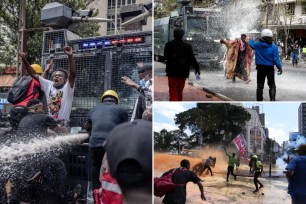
[270, 166]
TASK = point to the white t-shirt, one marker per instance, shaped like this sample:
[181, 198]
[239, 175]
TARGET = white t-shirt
[59, 101]
[148, 93]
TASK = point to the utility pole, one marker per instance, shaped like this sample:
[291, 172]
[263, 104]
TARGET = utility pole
[270, 166]
[116, 10]
[22, 37]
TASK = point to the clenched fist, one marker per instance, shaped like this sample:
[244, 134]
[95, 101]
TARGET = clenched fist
[68, 50]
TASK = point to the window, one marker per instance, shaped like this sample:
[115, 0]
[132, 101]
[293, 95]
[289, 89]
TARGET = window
[290, 8]
[120, 3]
[111, 25]
[304, 8]
[129, 2]
[252, 143]
[109, 4]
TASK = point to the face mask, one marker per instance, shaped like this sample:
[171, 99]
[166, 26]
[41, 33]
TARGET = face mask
[142, 83]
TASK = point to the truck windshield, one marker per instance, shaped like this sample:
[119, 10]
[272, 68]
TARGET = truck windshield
[196, 24]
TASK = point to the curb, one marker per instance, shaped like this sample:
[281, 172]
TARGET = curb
[221, 96]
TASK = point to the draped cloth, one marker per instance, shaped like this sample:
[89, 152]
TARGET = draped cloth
[233, 47]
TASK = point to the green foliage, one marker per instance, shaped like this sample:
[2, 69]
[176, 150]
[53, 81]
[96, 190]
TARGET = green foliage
[167, 7]
[165, 141]
[268, 149]
[9, 13]
[162, 141]
[218, 123]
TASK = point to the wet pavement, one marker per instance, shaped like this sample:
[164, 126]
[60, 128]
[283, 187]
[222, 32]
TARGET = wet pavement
[290, 86]
[218, 191]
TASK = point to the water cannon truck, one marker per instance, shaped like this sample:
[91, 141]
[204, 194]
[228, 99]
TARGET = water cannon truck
[202, 27]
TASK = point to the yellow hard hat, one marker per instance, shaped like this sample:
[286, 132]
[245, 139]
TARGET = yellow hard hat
[37, 68]
[110, 93]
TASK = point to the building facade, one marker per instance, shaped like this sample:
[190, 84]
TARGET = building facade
[302, 119]
[288, 14]
[132, 8]
[255, 133]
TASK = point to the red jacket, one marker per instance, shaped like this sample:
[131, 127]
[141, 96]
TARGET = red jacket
[30, 94]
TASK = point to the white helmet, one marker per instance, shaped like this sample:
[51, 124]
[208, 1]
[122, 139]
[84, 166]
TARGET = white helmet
[266, 33]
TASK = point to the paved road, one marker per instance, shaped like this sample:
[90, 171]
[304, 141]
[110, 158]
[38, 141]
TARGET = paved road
[190, 93]
[218, 191]
[290, 86]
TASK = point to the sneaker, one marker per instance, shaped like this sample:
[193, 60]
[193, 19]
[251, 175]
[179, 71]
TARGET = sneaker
[226, 180]
[261, 186]
[212, 174]
[255, 191]
[235, 177]
[247, 81]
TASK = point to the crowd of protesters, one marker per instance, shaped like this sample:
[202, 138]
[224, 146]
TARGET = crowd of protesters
[45, 112]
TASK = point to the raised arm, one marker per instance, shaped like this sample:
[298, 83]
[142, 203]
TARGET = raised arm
[48, 68]
[201, 188]
[28, 67]
[252, 43]
[225, 152]
[129, 82]
[227, 43]
[71, 77]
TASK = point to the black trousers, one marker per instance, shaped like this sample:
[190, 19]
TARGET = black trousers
[256, 181]
[230, 170]
[240, 65]
[97, 154]
[207, 167]
[262, 73]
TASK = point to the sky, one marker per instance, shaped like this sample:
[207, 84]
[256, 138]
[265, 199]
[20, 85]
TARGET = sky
[281, 118]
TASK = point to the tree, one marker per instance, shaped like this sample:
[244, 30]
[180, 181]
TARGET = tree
[218, 123]
[164, 8]
[284, 17]
[269, 150]
[165, 141]
[9, 13]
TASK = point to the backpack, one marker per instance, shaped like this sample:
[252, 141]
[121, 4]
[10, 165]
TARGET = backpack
[19, 89]
[164, 184]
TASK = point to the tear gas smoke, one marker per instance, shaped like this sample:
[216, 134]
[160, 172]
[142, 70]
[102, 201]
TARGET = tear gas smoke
[280, 163]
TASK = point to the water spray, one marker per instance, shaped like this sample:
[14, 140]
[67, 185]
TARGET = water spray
[19, 150]
[241, 17]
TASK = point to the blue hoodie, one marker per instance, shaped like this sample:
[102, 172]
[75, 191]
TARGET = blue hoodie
[266, 54]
